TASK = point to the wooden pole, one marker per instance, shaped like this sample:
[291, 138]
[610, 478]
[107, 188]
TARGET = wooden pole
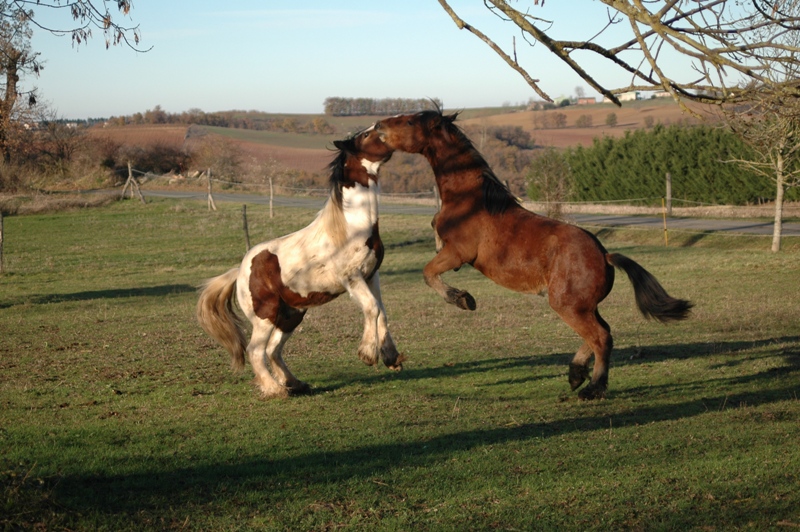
[664, 211]
[135, 184]
[669, 194]
[246, 230]
[271, 215]
[127, 183]
[211, 205]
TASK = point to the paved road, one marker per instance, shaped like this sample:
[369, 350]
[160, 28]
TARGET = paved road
[650, 222]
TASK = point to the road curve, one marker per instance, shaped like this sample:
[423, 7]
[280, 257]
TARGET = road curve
[608, 220]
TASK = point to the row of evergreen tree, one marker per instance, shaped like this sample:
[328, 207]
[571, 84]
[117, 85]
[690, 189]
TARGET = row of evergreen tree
[336, 106]
[699, 160]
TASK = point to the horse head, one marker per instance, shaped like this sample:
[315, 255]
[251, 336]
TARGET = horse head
[413, 133]
[365, 144]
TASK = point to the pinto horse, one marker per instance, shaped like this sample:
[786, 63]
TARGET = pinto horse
[340, 251]
[482, 224]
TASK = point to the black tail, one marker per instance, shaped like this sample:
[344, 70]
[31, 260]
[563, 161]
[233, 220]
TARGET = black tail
[651, 298]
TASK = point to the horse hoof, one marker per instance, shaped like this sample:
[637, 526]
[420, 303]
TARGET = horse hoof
[466, 301]
[397, 365]
[368, 356]
[577, 375]
[281, 393]
[591, 392]
[299, 388]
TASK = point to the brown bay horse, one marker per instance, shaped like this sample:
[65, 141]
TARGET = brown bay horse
[482, 224]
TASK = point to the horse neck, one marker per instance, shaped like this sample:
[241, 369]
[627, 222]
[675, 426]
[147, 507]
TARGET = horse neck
[457, 169]
[360, 192]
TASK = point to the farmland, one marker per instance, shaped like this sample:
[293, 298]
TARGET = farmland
[118, 413]
[310, 153]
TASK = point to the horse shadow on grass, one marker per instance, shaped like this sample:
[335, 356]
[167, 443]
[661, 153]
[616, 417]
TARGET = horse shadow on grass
[628, 356]
[266, 481]
[110, 293]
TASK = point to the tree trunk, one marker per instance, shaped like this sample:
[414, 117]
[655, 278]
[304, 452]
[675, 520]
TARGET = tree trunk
[777, 230]
[10, 65]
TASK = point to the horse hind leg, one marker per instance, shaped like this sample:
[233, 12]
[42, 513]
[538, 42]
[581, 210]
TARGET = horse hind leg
[263, 332]
[579, 366]
[290, 385]
[602, 343]
[597, 339]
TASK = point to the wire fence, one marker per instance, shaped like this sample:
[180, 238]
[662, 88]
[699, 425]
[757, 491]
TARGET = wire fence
[203, 179]
[282, 189]
[649, 204]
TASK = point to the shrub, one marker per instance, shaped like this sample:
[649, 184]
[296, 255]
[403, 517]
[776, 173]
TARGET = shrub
[550, 181]
[635, 165]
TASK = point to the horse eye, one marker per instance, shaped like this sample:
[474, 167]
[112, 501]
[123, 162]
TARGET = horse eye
[366, 134]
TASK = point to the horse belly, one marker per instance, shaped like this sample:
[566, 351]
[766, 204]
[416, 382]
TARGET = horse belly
[518, 261]
[527, 279]
[304, 266]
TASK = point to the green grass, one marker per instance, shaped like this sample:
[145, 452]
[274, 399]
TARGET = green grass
[118, 413]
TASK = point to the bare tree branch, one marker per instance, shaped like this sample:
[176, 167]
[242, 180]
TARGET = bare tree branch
[511, 62]
[722, 44]
[81, 17]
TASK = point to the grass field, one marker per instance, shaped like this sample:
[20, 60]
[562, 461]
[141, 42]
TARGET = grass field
[118, 413]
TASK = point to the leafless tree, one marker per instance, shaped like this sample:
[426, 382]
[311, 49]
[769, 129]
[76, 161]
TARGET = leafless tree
[770, 125]
[722, 40]
[550, 181]
[767, 114]
[16, 59]
[80, 18]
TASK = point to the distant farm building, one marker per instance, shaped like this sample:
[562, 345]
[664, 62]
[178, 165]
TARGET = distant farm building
[586, 101]
[639, 95]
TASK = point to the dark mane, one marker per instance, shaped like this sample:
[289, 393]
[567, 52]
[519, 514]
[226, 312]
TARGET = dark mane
[496, 195]
[338, 177]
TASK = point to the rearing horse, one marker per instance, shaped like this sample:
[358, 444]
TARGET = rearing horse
[340, 251]
[481, 223]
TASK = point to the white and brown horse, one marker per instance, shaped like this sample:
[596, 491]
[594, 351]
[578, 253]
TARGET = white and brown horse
[481, 223]
[340, 251]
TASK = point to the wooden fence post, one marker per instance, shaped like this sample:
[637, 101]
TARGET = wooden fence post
[133, 184]
[211, 205]
[246, 230]
[669, 194]
[271, 215]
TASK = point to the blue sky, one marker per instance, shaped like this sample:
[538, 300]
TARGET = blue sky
[289, 56]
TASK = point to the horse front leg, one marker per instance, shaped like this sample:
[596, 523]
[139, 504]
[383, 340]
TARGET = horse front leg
[388, 351]
[444, 261]
[360, 291]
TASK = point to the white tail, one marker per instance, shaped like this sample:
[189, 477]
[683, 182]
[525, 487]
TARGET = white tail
[217, 317]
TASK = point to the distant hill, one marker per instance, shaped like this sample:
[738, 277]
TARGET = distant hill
[633, 115]
[312, 152]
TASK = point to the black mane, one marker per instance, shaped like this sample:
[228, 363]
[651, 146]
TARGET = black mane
[338, 177]
[496, 195]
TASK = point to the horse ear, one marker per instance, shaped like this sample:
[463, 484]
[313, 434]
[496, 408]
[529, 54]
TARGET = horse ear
[451, 118]
[339, 144]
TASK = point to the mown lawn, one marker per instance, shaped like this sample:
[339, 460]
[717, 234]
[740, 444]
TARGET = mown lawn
[118, 413]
